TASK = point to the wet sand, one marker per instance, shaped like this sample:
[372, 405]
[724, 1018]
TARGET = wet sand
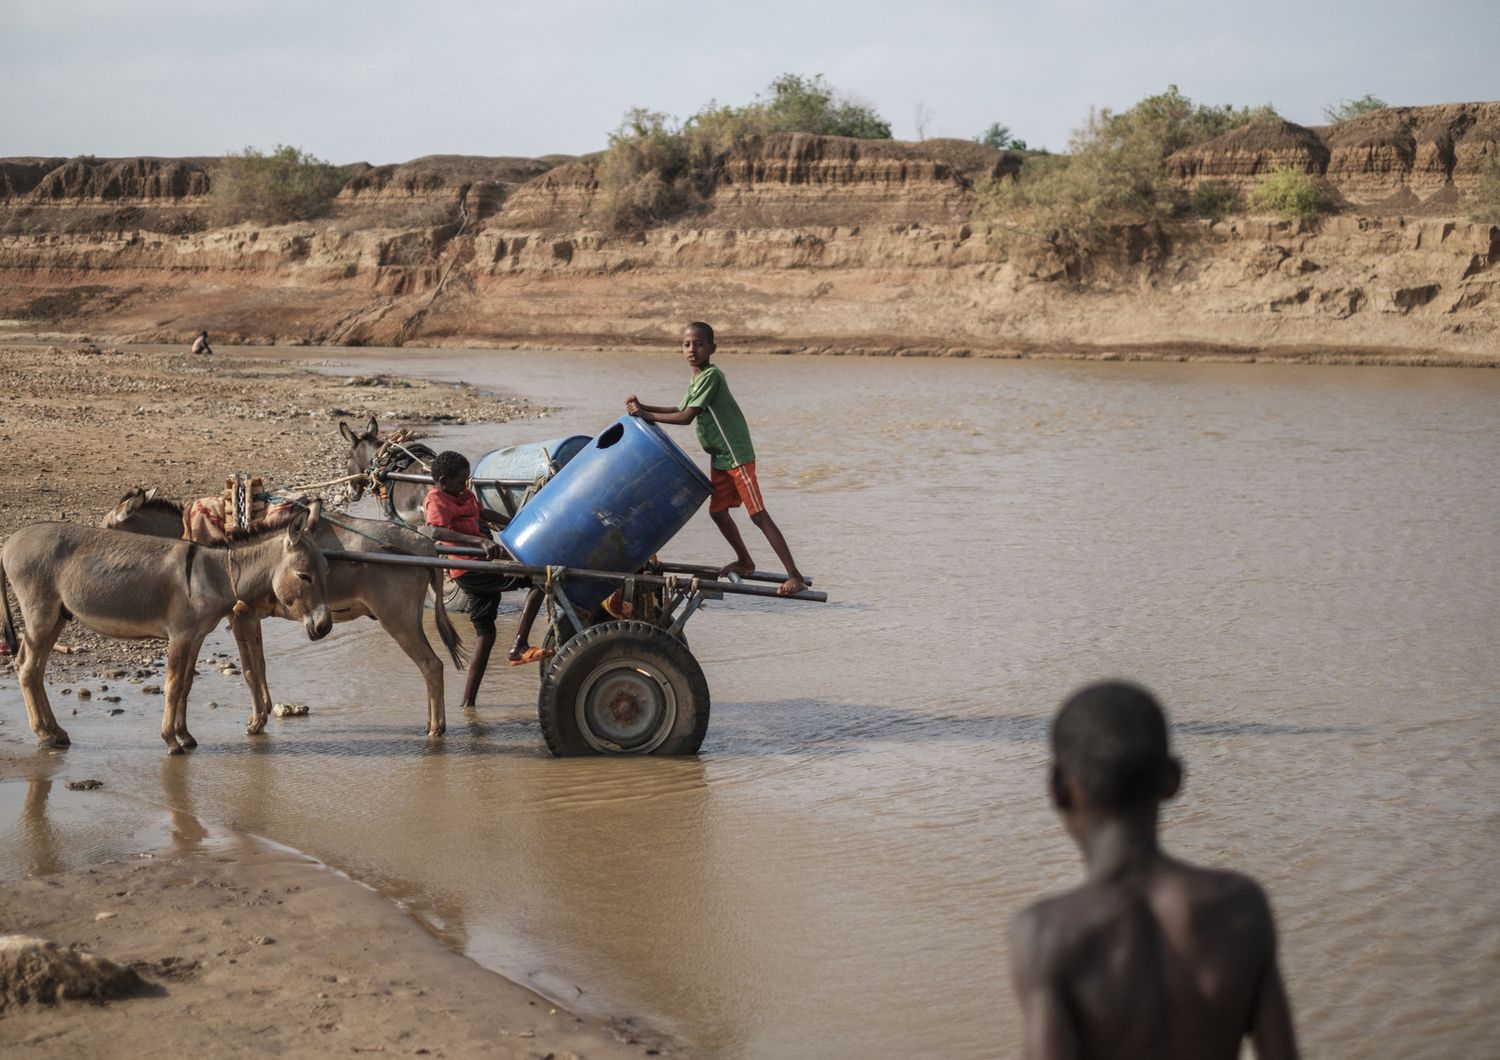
[253, 949]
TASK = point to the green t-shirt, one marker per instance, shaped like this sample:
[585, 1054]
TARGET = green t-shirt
[721, 426]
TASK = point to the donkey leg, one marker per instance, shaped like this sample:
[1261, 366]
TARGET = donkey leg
[41, 634]
[179, 710]
[253, 667]
[182, 653]
[406, 630]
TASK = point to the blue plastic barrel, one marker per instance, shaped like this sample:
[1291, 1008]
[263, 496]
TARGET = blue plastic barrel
[617, 502]
[527, 466]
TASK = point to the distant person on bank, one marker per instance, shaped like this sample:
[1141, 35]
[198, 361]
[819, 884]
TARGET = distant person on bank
[200, 344]
[725, 436]
[1151, 957]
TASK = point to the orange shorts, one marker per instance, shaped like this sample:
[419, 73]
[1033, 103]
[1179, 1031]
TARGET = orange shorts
[735, 487]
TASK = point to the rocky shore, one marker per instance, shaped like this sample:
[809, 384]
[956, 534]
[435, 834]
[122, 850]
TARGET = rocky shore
[83, 422]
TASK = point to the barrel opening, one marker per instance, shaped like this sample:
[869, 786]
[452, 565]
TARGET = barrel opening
[611, 436]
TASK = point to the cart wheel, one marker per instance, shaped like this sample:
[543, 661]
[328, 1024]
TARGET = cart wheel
[623, 688]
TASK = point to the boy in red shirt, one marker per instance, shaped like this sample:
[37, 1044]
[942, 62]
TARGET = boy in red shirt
[454, 514]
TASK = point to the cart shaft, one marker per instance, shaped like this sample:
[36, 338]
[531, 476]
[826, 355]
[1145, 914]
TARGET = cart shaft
[496, 566]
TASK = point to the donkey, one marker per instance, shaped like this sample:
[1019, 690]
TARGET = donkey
[136, 587]
[401, 501]
[393, 596]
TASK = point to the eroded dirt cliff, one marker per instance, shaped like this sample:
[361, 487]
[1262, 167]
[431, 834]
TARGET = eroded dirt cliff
[803, 243]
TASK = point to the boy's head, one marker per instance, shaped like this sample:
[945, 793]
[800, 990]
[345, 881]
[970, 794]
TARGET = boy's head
[1110, 752]
[450, 471]
[697, 343]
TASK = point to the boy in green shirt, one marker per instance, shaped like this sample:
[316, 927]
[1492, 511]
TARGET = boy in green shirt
[725, 436]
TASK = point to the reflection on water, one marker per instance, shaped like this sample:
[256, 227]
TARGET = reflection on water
[1301, 561]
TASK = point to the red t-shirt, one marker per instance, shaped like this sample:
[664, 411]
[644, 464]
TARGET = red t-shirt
[459, 513]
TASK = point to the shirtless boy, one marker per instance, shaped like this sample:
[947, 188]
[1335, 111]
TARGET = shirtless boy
[1151, 957]
[726, 438]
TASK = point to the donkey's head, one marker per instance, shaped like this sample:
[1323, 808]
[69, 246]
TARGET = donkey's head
[145, 511]
[300, 578]
[363, 446]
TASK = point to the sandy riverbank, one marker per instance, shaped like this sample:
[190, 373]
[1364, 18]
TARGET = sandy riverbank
[81, 423]
[249, 949]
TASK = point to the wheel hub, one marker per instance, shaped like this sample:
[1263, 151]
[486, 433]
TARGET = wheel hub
[626, 705]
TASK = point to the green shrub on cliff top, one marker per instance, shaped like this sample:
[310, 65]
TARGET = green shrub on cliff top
[655, 170]
[286, 185]
[1114, 172]
[1345, 109]
[1484, 206]
[1291, 193]
[1214, 198]
[811, 105]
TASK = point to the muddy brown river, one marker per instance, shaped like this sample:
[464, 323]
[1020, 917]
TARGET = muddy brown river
[1304, 562]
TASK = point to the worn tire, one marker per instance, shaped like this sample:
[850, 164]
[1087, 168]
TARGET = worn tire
[623, 688]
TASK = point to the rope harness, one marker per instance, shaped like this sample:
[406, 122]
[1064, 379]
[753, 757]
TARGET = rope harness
[392, 456]
[240, 607]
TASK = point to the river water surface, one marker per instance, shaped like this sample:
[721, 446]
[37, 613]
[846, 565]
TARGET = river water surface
[1304, 563]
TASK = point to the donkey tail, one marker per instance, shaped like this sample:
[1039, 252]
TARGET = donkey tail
[8, 624]
[445, 628]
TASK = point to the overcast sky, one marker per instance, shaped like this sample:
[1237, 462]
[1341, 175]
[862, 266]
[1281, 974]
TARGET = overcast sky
[386, 81]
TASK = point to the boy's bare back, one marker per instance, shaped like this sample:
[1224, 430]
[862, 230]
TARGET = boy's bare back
[1168, 960]
[1151, 957]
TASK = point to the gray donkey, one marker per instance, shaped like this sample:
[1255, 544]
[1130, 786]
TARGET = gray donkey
[133, 587]
[400, 502]
[393, 596]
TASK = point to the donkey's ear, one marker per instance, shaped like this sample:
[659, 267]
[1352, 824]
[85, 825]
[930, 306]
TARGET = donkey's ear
[151, 494]
[295, 528]
[314, 512]
[123, 509]
[348, 433]
[372, 428]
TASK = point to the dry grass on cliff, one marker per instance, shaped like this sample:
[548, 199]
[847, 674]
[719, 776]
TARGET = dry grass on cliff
[1484, 205]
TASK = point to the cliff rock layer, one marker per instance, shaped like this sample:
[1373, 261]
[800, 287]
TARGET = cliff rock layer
[1392, 160]
[481, 184]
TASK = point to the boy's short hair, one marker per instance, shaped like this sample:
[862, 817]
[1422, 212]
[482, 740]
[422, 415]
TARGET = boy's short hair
[449, 463]
[698, 325]
[1111, 739]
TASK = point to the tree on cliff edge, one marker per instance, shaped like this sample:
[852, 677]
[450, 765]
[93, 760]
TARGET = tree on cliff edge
[286, 185]
[1114, 173]
[656, 170]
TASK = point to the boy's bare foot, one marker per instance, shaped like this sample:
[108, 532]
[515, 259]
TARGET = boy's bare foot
[737, 567]
[792, 586]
